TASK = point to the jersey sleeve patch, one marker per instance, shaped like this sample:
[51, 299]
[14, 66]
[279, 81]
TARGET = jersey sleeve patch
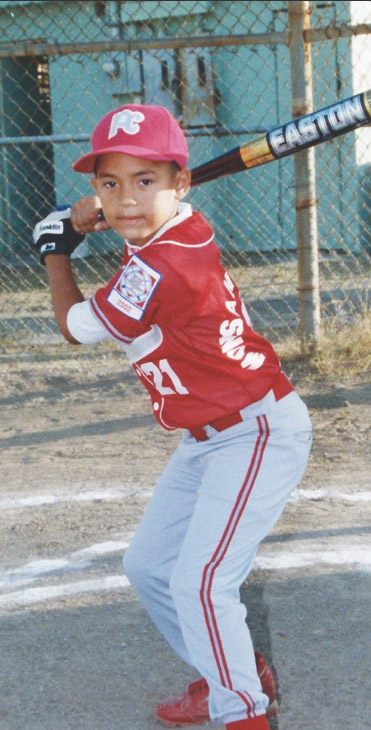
[134, 288]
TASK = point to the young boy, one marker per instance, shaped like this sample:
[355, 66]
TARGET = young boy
[180, 320]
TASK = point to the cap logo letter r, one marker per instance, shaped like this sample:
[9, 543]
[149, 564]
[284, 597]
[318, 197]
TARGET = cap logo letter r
[127, 120]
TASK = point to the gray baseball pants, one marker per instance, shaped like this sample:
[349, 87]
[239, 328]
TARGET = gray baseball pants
[214, 503]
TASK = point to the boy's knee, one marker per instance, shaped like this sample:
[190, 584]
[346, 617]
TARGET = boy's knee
[134, 567]
[143, 569]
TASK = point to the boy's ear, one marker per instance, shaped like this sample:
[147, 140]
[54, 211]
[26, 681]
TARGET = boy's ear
[182, 182]
[93, 182]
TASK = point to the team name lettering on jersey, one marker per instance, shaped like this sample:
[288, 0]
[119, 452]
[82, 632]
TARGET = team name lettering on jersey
[230, 340]
[134, 288]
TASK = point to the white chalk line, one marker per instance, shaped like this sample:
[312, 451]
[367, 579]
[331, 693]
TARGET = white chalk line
[352, 555]
[47, 593]
[29, 572]
[348, 555]
[40, 500]
[322, 494]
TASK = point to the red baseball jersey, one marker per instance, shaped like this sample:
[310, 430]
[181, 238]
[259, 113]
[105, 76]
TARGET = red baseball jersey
[185, 330]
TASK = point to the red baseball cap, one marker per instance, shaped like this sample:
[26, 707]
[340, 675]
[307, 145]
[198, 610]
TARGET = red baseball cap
[139, 130]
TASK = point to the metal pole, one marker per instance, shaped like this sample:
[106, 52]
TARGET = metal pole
[305, 183]
[19, 48]
[42, 48]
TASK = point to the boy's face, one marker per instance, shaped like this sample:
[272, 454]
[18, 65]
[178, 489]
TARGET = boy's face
[138, 196]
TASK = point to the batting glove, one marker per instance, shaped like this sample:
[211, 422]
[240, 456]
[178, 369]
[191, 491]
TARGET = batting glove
[55, 234]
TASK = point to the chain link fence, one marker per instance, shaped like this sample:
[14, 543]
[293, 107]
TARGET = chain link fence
[224, 70]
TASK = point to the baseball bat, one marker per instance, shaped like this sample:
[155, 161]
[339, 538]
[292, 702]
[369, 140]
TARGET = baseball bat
[287, 139]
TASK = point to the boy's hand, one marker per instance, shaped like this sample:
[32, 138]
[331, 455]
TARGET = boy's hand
[87, 216]
[55, 235]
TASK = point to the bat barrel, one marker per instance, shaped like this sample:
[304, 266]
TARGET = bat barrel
[320, 126]
[225, 164]
[310, 130]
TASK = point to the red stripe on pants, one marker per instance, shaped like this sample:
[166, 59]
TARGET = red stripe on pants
[219, 554]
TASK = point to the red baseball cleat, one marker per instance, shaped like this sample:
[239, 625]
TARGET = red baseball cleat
[192, 707]
[268, 684]
[189, 708]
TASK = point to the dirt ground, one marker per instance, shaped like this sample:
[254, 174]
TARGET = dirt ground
[80, 453]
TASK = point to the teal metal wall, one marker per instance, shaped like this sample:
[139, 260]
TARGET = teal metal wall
[241, 89]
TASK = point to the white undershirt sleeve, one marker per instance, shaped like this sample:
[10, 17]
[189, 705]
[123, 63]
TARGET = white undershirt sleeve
[83, 325]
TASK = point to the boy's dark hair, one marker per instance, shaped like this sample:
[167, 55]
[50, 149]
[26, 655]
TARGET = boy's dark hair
[173, 166]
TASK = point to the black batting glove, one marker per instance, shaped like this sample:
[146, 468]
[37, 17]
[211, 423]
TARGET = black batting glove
[55, 234]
